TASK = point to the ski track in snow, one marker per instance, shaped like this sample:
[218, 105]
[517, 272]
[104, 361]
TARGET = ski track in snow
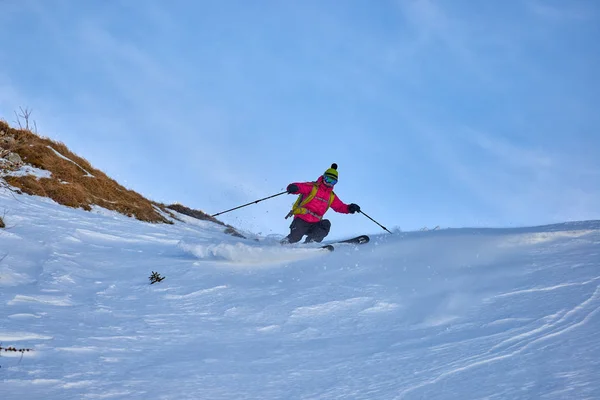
[43, 299]
[552, 327]
[195, 294]
[506, 314]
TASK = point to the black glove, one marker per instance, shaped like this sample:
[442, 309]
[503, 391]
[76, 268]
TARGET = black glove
[292, 189]
[352, 208]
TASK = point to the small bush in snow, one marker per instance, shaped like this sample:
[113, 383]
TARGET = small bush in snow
[15, 350]
[155, 277]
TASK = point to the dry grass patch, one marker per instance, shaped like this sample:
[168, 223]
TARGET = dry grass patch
[203, 216]
[74, 182]
[180, 208]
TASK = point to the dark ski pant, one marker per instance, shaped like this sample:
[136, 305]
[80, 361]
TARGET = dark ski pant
[315, 231]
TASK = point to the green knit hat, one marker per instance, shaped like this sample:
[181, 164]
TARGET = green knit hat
[332, 172]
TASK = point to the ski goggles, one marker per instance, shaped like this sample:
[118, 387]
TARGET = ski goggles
[329, 180]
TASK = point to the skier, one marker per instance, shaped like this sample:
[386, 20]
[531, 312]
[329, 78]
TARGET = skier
[314, 201]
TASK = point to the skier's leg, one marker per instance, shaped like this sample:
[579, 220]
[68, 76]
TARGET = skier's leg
[298, 228]
[318, 231]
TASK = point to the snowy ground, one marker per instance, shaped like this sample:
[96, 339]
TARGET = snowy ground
[452, 314]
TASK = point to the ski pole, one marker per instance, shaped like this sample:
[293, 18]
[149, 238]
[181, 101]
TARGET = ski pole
[374, 221]
[252, 202]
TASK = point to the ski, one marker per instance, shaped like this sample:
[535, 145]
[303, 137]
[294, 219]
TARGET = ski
[362, 239]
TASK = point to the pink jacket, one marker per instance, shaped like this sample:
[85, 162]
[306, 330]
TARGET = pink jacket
[318, 204]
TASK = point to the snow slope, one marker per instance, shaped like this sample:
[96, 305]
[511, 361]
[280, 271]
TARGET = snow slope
[451, 314]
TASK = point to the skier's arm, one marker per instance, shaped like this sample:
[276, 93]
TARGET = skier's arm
[339, 206]
[303, 187]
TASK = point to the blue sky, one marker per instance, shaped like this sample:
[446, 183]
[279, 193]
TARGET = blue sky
[442, 113]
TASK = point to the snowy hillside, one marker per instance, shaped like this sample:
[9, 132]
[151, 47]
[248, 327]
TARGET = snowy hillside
[449, 314]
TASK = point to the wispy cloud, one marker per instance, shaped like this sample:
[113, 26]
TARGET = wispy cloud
[514, 181]
[571, 11]
[437, 28]
[508, 153]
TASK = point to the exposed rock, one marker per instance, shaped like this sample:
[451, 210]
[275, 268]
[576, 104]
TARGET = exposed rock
[8, 140]
[14, 158]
